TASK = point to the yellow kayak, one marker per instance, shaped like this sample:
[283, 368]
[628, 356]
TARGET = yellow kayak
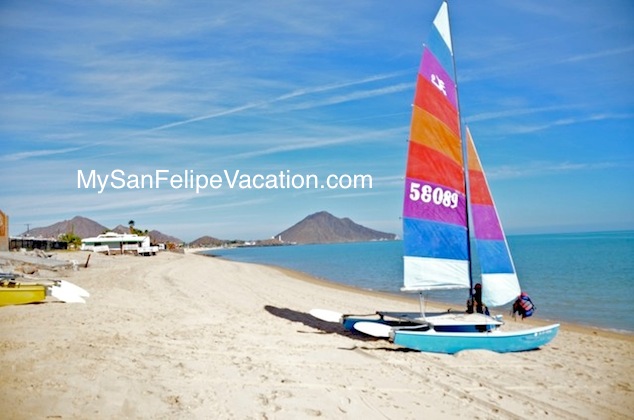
[12, 293]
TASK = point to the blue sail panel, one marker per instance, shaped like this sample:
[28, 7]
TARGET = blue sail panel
[439, 49]
[494, 257]
[424, 238]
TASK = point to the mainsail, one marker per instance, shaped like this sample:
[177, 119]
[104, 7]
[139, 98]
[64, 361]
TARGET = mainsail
[499, 280]
[435, 222]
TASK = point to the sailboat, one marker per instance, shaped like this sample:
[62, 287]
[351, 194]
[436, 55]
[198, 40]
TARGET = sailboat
[447, 202]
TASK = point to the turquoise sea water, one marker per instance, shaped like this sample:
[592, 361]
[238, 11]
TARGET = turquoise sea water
[585, 278]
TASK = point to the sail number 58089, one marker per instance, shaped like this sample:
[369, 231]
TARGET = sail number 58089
[428, 194]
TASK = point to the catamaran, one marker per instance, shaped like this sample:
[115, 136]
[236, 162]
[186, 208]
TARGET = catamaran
[447, 202]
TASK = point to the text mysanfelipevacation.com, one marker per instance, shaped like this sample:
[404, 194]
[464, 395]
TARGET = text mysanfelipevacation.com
[188, 179]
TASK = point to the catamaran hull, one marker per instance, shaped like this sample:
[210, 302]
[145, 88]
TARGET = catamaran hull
[450, 343]
[443, 322]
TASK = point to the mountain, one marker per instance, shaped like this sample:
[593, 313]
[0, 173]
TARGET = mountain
[323, 227]
[80, 226]
[155, 235]
[160, 237]
[86, 228]
[206, 241]
[121, 229]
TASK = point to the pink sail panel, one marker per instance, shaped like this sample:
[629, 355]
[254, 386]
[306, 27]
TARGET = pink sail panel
[486, 224]
[433, 71]
[434, 202]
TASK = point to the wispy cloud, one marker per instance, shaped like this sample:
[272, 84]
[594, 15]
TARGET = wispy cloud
[353, 96]
[526, 129]
[487, 116]
[37, 153]
[599, 54]
[307, 143]
[545, 169]
[303, 92]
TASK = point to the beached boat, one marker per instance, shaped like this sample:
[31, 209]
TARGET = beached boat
[447, 203]
[12, 293]
[19, 292]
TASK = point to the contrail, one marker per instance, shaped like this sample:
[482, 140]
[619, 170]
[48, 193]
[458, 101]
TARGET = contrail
[286, 96]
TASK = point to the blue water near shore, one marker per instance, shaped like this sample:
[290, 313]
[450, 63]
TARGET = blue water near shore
[585, 278]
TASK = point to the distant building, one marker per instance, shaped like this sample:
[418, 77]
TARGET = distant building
[119, 242]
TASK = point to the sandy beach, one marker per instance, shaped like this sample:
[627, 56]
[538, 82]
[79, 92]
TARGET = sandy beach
[189, 336]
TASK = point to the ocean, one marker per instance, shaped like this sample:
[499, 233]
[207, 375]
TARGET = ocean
[584, 278]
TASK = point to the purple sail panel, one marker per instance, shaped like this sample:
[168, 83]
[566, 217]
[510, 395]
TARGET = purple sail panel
[433, 202]
[486, 224]
[433, 71]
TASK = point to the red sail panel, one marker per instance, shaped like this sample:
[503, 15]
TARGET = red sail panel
[431, 132]
[427, 164]
[432, 100]
[478, 188]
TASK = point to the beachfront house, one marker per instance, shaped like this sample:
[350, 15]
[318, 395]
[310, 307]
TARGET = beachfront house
[119, 242]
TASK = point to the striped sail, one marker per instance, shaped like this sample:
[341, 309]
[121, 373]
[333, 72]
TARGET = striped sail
[434, 210]
[499, 280]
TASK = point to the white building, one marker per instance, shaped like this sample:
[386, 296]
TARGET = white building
[119, 242]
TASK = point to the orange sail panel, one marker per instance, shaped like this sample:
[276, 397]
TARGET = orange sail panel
[428, 130]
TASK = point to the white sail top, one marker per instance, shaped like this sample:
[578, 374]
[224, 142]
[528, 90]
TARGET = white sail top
[441, 22]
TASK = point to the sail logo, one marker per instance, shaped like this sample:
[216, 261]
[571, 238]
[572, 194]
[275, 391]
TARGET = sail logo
[428, 194]
[439, 83]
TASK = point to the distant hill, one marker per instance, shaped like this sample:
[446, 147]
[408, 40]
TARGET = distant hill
[155, 235]
[121, 229]
[323, 227]
[160, 237]
[206, 241]
[80, 226]
[86, 228]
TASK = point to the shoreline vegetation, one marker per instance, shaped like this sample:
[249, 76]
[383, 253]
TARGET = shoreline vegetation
[187, 336]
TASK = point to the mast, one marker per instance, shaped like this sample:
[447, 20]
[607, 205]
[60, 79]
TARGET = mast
[464, 156]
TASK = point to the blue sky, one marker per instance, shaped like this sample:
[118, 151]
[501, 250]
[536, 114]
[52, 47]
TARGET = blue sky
[313, 87]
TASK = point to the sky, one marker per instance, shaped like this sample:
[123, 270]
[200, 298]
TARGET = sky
[130, 87]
